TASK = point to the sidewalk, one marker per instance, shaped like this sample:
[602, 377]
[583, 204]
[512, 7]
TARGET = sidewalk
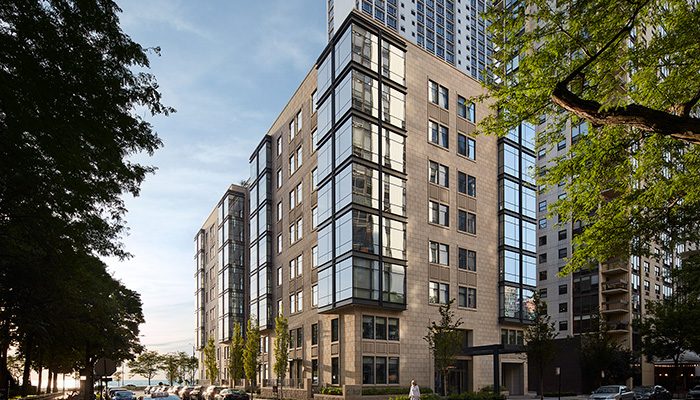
[536, 397]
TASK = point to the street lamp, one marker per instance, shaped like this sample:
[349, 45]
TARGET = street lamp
[557, 371]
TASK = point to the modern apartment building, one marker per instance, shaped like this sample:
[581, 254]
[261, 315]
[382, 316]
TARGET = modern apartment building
[221, 260]
[371, 204]
[454, 31]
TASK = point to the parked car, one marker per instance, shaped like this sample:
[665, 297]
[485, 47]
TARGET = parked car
[184, 392]
[147, 389]
[124, 395]
[196, 393]
[232, 394]
[694, 393]
[174, 389]
[612, 392]
[160, 396]
[111, 391]
[212, 391]
[651, 393]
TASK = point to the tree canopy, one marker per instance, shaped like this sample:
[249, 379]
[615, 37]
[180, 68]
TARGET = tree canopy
[281, 347]
[146, 364]
[235, 360]
[620, 79]
[73, 91]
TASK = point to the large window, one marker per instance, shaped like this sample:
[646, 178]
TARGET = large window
[358, 91]
[439, 293]
[467, 259]
[466, 110]
[439, 253]
[438, 213]
[438, 174]
[357, 45]
[438, 134]
[466, 146]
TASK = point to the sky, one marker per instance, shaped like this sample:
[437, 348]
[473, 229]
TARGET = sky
[228, 68]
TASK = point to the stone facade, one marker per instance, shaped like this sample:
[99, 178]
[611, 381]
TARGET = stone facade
[275, 279]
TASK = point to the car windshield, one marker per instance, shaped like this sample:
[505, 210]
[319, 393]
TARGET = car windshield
[643, 389]
[696, 387]
[227, 391]
[607, 389]
[237, 391]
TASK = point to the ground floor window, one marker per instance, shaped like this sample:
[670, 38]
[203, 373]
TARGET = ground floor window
[335, 371]
[380, 370]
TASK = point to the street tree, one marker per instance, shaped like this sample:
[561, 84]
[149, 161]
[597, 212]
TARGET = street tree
[281, 348]
[170, 364]
[444, 339]
[539, 341]
[620, 79]
[251, 351]
[187, 365]
[146, 364]
[211, 367]
[602, 356]
[235, 361]
[670, 327]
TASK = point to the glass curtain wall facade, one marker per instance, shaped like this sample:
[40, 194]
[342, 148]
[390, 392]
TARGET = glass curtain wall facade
[454, 31]
[517, 224]
[361, 172]
[260, 225]
[231, 214]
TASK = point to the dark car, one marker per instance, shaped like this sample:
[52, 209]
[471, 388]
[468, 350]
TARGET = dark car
[694, 393]
[232, 394]
[612, 392]
[651, 393]
[123, 395]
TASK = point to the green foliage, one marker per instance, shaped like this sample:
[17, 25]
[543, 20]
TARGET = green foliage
[480, 395]
[332, 390]
[281, 346]
[251, 350]
[170, 364]
[539, 340]
[444, 340]
[146, 364]
[235, 361]
[633, 179]
[211, 367]
[383, 390]
[187, 366]
[600, 352]
[428, 396]
[69, 139]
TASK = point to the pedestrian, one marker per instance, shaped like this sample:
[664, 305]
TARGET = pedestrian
[414, 393]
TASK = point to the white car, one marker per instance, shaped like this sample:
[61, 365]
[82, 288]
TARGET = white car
[612, 392]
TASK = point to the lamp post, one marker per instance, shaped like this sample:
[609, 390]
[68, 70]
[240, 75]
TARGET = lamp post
[557, 371]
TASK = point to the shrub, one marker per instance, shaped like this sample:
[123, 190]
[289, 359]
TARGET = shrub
[481, 395]
[333, 390]
[382, 390]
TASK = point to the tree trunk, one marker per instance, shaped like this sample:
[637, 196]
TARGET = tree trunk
[40, 370]
[4, 373]
[55, 383]
[541, 381]
[48, 380]
[444, 383]
[27, 366]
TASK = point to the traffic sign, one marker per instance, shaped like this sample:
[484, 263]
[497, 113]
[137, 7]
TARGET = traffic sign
[105, 367]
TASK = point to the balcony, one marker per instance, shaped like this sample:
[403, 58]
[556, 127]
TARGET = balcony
[618, 327]
[615, 286]
[615, 268]
[617, 307]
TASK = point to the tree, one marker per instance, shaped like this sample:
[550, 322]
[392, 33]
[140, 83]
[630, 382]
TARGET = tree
[670, 327]
[170, 364]
[281, 345]
[632, 175]
[539, 341]
[146, 364]
[68, 134]
[601, 353]
[251, 351]
[211, 367]
[235, 360]
[187, 365]
[444, 340]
